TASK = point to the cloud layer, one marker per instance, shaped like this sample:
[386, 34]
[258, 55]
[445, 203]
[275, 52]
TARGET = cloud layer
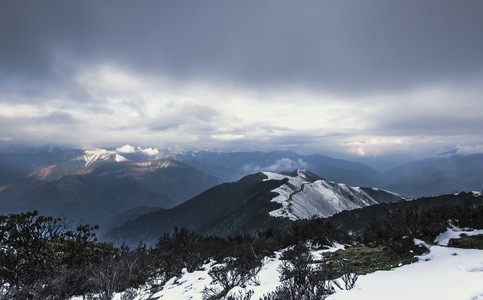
[349, 77]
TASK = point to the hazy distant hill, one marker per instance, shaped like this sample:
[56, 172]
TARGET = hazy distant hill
[234, 165]
[18, 164]
[449, 173]
[437, 175]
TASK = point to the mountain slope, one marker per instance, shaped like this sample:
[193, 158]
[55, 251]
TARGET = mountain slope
[200, 211]
[16, 165]
[92, 198]
[301, 197]
[254, 203]
[356, 220]
[96, 185]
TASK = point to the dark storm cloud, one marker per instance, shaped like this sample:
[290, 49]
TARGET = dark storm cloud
[34, 32]
[335, 45]
[42, 43]
[58, 117]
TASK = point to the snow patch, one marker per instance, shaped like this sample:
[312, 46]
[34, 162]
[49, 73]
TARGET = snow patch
[156, 164]
[120, 158]
[437, 275]
[273, 176]
[93, 155]
[455, 232]
[187, 286]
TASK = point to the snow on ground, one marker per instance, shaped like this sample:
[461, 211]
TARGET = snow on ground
[268, 277]
[453, 233]
[191, 285]
[187, 286]
[443, 273]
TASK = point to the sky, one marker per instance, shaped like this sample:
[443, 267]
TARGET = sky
[362, 79]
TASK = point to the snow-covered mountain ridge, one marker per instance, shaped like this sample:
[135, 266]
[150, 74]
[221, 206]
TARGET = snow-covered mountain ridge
[304, 196]
[92, 156]
[253, 203]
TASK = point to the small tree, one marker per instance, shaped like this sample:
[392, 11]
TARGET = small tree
[31, 247]
[231, 273]
[302, 277]
[41, 257]
[349, 275]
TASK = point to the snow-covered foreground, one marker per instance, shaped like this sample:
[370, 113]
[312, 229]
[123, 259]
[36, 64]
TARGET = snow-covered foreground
[442, 273]
[191, 285]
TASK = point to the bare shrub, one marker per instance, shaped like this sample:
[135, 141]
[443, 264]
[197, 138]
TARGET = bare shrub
[229, 275]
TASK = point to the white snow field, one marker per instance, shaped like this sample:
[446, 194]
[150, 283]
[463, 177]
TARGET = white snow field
[444, 273]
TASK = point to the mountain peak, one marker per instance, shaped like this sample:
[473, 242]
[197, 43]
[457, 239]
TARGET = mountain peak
[305, 195]
[300, 174]
[253, 203]
[91, 157]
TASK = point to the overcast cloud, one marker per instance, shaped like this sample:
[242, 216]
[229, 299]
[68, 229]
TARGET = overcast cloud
[357, 78]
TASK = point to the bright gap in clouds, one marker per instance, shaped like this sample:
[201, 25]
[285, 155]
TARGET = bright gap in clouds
[208, 111]
[111, 106]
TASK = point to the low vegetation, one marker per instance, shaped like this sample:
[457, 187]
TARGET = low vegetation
[44, 258]
[367, 259]
[40, 257]
[467, 242]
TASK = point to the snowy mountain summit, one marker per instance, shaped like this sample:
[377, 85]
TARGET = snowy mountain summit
[305, 195]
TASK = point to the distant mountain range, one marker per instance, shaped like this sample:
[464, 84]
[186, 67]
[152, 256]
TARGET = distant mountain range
[448, 173]
[95, 185]
[437, 175]
[255, 202]
[234, 165]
